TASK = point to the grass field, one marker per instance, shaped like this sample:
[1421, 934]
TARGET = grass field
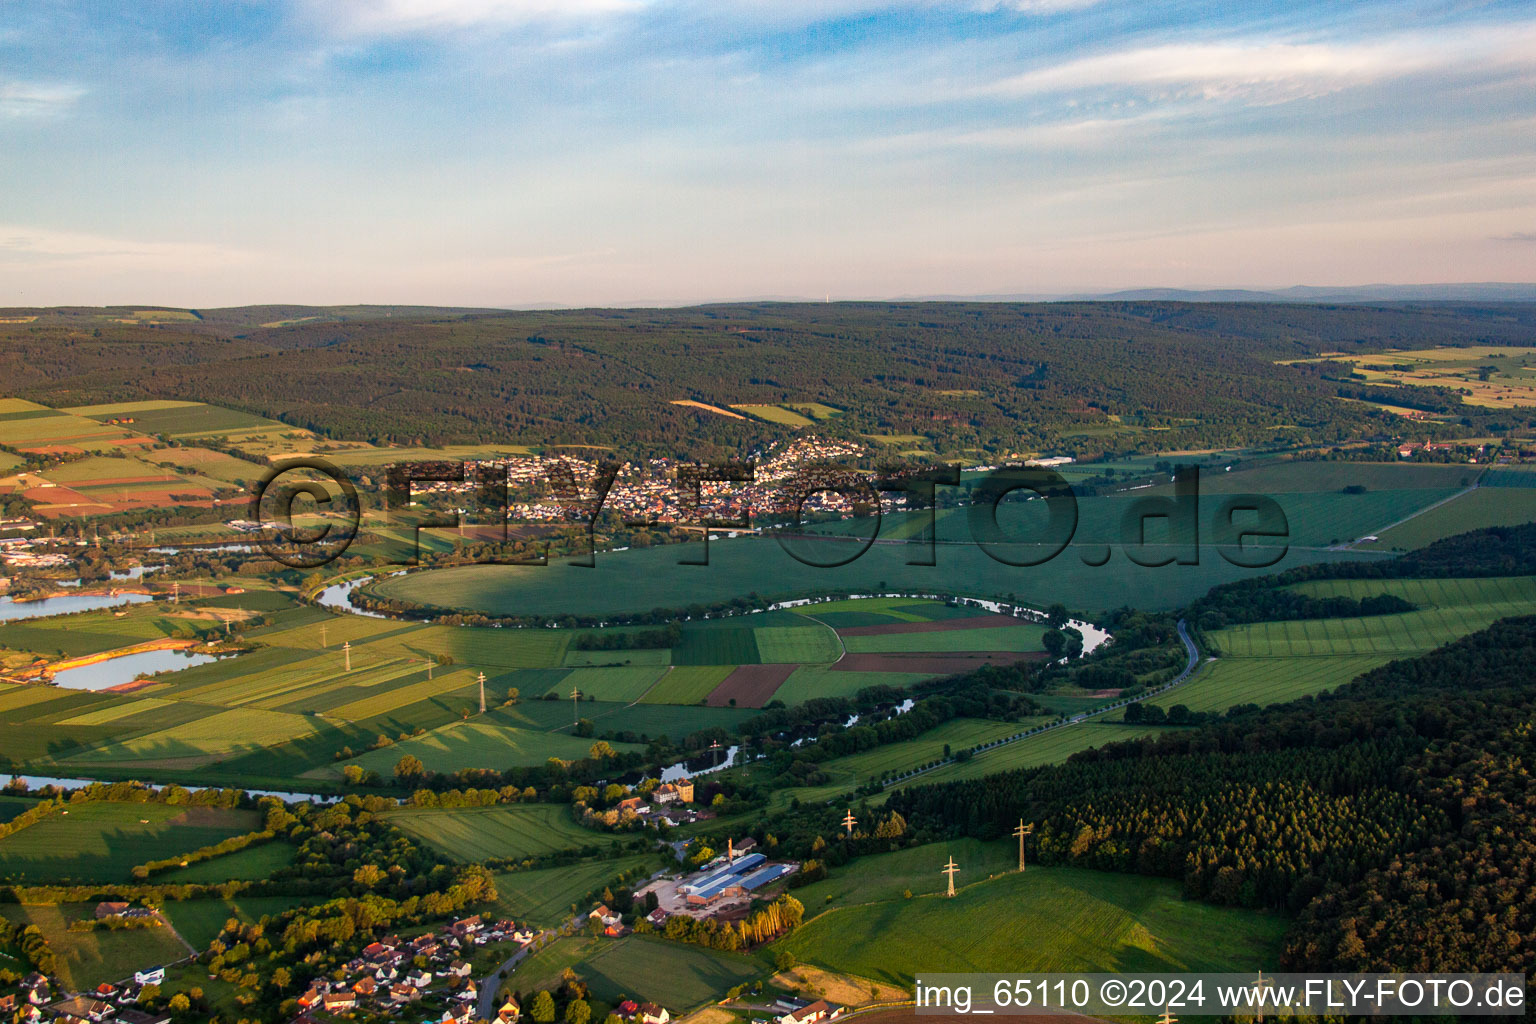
[200, 921]
[642, 579]
[1045, 919]
[1448, 609]
[779, 414]
[101, 842]
[804, 645]
[957, 733]
[544, 896]
[1023, 637]
[1051, 747]
[508, 831]
[1269, 662]
[622, 684]
[86, 959]
[474, 744]
[1486, 506]
[678, 976]
[1263, 681]
[687, 684]
[820, 681]
[718, 645]
[254, 863]
[203, 740]
[178, 419]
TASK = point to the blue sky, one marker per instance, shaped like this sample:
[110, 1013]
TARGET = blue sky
[517, 152]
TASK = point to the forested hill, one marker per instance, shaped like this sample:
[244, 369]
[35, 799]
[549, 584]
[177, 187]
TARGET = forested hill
[998, 377]
[1393, 814]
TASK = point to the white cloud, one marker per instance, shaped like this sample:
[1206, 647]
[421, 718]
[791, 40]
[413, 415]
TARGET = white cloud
[33, 247]
[1275, 72]
[399, 16]
[37, 99]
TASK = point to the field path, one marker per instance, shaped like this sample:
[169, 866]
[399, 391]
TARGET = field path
[1413, 515]
[1191, 665]
[179, 937]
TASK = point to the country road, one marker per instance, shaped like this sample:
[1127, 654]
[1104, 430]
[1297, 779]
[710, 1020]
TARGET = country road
[1191, 664]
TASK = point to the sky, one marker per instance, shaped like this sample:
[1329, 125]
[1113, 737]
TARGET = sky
[610, 152]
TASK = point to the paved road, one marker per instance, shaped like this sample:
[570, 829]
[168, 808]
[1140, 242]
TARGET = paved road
[1191, 663]
[491, 984]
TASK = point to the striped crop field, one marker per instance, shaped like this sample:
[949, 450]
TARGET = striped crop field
[506, 832]
[687, 684]
[544, 896]
[801, 645]
[620, 683]
[1229, 682]
[474, 744]
[1447, 610]
[1023, 637]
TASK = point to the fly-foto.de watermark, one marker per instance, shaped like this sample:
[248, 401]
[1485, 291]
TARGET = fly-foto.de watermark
[1246, 530]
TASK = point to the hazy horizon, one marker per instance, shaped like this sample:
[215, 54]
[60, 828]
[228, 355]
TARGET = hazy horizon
[670, 152]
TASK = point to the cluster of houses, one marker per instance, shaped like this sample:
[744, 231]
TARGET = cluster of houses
[664, 805]
[384, 976]
[33, 1003]
[649, 492]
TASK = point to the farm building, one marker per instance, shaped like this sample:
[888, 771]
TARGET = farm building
[737, 878]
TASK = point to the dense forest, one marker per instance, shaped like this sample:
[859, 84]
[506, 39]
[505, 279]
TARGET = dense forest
[1092, 377]
[1393, 814]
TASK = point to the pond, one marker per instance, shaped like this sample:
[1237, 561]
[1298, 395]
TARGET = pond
[11, 609]
[104, 675]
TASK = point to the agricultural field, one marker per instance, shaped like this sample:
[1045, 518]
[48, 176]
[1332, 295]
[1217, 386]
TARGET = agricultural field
[780, 414]
[27, 425]
[1050, 747]
[809, 681]
[1495, 377]
[86, 959]
[101, 842]
[473, 744]
[173, 419]
[1227, 682]
[503, 832]
[623, 684]
[254, 863]
[1448, 609]
[956, 734]
[642, 579]
[687, 684]
[1269, 662]
[1025, 636]
[640, 967]
[544, 896]
[1474, 510]
[1045, 919]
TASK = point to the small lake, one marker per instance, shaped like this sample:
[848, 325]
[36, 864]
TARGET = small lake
[39, 781]
[339, 596]
[116, 671]
[707, 764]
[11, 610]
